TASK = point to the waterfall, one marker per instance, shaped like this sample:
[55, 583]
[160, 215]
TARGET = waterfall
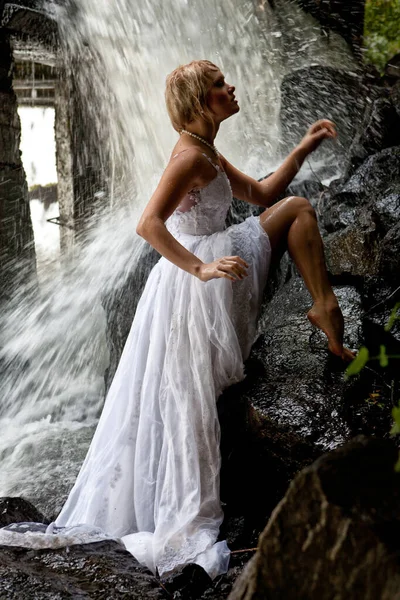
[54, 353]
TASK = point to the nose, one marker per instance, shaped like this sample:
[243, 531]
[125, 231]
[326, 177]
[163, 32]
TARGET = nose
[232, 88]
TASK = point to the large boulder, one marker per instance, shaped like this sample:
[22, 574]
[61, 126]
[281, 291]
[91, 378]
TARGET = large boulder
[360, 212]
[17, 510]
[335, 533]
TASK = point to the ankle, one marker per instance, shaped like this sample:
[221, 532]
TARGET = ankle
[328, 301]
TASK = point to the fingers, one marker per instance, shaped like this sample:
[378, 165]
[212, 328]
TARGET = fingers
[321, 134]
[236, 265]
[324, 124]
[233, 266]
[225, 275]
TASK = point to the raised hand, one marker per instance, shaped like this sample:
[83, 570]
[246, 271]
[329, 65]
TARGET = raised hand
[320, 130]
[229, 267]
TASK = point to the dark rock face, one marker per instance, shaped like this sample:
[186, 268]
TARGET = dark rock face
[335, 533]
[17, 254]
[360, 212]
[380, 128]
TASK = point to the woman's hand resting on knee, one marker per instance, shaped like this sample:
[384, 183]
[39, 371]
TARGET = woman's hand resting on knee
[229, 267]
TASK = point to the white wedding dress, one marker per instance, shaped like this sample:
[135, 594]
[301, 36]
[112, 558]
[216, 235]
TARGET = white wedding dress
[151, 475]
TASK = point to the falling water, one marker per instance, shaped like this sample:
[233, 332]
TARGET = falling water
[55, 353]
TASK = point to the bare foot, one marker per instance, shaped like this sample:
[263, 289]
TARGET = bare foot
[327, 316]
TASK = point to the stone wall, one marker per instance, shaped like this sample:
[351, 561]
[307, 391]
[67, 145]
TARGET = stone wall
[17, 255]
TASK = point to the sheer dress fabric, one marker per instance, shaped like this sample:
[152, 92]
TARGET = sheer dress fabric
[151, 475]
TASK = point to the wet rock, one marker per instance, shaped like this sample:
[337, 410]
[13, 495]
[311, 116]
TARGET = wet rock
[301, 387]
[294, 405]
[353, 250]
[380, 129]
[103, 570]
[335, 533]
[16, 510]
[373, 186]
[395, 97]
[359, 213]
[389, 264]
[187, 583]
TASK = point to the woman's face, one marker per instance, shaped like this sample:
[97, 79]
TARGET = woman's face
[221, 97]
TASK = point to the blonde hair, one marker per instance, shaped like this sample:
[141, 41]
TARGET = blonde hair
[186, 93]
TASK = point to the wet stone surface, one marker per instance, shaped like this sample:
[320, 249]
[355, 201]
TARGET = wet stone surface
[103, 570]
[335, 533]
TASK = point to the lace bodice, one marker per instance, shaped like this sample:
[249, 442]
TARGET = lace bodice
[208, 208]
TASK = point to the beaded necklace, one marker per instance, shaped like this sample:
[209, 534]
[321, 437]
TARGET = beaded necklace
[198, 137]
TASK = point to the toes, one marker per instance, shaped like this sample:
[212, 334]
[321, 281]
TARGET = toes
[348, 355]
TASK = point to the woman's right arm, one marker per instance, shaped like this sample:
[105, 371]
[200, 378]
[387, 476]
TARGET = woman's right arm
[188, 170]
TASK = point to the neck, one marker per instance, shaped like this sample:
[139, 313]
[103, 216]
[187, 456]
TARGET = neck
[207, 131]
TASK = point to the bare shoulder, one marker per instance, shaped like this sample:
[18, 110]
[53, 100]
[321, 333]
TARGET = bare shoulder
[191, 164]
[187, 169]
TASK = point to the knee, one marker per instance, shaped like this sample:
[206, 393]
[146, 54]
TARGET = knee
[301, 205]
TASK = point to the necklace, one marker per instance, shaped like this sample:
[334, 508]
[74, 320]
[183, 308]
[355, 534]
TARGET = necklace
[198, 137]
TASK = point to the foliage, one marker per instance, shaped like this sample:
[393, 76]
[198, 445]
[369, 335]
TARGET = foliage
[38, 186]
[381, 31]
[363, 357]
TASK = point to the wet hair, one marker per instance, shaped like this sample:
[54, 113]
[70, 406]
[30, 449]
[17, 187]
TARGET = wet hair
[186, 93]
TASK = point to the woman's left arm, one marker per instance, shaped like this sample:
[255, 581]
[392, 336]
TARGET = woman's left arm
[265, 192]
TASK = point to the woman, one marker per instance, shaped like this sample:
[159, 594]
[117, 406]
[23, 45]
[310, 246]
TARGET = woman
[151, 476]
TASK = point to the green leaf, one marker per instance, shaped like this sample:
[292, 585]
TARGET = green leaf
[393, 317]
[383, 357]
[358, 363]
[395, 429]
[397, 465]
[396, 417]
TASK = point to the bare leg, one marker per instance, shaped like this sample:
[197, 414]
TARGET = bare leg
[292, 222]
